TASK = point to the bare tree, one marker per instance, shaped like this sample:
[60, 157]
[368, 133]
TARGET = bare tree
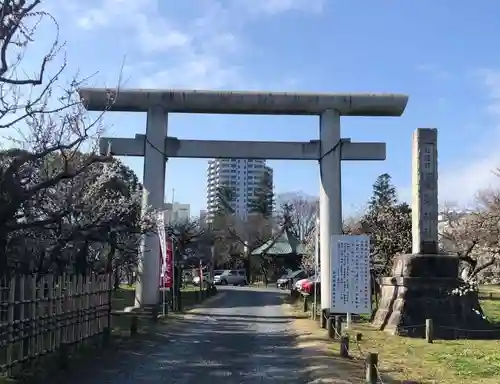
[187, 234]
[70, 203]
[462, 234]
[299, 216]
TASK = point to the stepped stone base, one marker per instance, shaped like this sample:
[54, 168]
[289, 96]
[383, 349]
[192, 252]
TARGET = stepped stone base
[420, 289]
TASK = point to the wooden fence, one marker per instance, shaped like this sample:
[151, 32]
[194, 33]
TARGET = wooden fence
[42, 314]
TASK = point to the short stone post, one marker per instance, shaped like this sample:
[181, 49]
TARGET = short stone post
[344, 346]
[134, 325]
[338, 326]
[63, 355]
[429, 331]
[154, 314]
[322, 319]
[371, 368]
[106, 336]
[305, 306]
[330, 328]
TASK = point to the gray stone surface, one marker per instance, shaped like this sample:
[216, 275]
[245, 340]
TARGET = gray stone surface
[242, 336]
[425, 191]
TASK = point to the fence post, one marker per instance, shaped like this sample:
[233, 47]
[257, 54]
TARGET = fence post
[50, 325]
[371, 368]
[344, 346]
[109, 288]
[429, 331]
[11, 303]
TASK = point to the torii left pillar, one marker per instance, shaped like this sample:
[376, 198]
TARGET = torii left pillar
[147, 293]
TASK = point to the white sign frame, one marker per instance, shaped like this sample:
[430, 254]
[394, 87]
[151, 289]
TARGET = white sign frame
[350, 274]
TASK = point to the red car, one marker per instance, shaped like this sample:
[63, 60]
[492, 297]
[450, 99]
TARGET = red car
[309, 286]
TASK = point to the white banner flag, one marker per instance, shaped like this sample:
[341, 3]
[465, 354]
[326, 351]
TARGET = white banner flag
[160, 224]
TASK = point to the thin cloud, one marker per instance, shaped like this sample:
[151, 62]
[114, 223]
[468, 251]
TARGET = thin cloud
[207, 50]
[434, 71]
[273, 7]
[460, 182]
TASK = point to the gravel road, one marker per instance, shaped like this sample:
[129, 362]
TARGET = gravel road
[240, 336]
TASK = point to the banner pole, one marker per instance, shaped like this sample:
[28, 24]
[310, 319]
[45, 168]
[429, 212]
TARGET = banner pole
[174, 290]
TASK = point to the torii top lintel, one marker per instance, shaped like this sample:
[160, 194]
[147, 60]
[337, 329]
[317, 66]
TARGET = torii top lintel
[242, 102]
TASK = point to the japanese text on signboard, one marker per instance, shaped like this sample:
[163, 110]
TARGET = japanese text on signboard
[350, 271]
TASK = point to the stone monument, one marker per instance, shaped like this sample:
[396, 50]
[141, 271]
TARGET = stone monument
[421, 283]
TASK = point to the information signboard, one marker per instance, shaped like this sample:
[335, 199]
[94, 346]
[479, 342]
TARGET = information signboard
[350, 271]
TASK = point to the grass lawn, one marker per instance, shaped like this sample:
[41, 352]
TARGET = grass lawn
[444, 362]
[125, 297]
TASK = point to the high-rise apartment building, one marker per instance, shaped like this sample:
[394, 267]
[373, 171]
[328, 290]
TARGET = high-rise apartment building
[244, 176]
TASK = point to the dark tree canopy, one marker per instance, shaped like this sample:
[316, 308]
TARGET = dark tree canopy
[388, 222]
[263, 200]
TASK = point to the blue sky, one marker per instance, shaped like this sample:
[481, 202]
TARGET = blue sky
[442, 53]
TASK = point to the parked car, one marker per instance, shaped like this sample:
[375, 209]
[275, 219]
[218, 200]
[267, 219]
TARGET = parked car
[300, 283]
[311, 285]
[292, 277]
[233, 276]
[218, 272]
[206, 279]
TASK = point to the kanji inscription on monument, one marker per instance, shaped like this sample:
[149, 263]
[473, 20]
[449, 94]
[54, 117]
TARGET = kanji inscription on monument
[425, 195]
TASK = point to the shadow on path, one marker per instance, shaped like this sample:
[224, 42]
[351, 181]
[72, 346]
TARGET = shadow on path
[241, 337]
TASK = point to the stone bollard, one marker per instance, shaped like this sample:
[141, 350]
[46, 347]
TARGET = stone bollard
[330, 328]
[154, 314]
[313, 311]
[429, 331]
[338, 326]
[63, 355]
[344, 346]
[371, 363]
[305, 306]
[322, 319]
[106, 336]
[134, 325]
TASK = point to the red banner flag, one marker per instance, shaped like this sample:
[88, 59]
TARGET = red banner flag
[168, 265]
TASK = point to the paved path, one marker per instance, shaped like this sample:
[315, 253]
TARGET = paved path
[241, 336]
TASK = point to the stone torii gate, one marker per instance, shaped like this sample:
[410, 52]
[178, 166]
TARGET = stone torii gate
[329, 150]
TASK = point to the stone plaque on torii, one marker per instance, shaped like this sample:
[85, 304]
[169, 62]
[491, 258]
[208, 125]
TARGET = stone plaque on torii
[156, 146]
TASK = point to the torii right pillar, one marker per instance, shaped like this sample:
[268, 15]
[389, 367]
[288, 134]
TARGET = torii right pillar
[421, 283]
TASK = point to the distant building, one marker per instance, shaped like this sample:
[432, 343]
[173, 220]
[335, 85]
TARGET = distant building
[203, 216]
[245, 176]
[444, 218]
[177, 212]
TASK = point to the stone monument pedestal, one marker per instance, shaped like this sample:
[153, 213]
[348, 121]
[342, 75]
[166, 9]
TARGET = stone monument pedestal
[419, 289]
